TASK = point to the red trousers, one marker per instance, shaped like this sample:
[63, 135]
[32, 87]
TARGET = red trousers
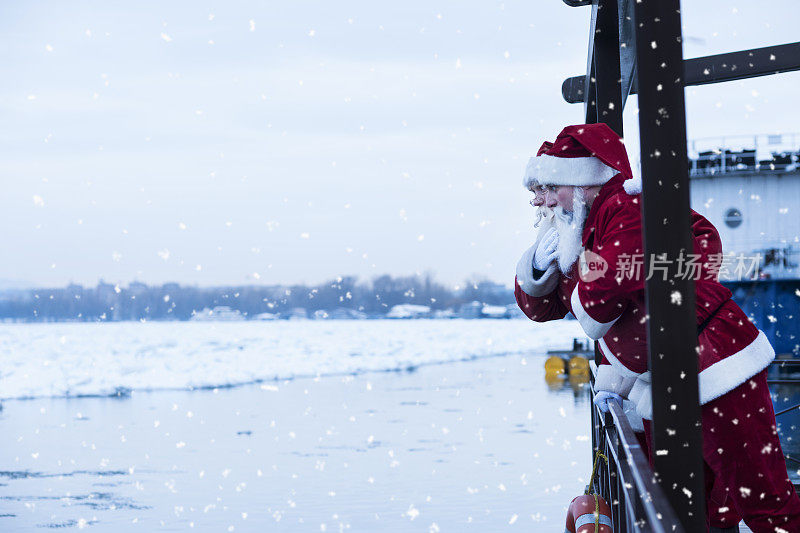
[745, 472]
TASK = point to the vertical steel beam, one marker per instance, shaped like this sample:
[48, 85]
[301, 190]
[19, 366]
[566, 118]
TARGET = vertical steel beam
[672, 326]
[608, 81]
[627, 47]
[590, 105]
[589, 81]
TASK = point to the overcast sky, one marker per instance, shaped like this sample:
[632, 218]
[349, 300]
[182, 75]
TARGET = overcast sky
[278, 142]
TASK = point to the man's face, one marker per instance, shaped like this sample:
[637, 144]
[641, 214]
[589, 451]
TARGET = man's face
[539, 193]
[559, 195]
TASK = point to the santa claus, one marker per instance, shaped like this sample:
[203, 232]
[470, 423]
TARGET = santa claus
[586, 181]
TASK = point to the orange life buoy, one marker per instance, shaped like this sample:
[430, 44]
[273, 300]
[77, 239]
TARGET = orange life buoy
[581, 517]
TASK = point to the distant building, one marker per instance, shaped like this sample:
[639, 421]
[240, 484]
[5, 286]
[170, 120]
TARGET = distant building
[220, 313]
[106, 292]
[470, 310]
[749, 187]
[513, 311]
[343, 313]
[493, 311]
[170, 288]
[298, 313]
[494, 290]
[409, 311]
[137, 288]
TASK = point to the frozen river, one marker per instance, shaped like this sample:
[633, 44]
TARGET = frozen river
[340, 426]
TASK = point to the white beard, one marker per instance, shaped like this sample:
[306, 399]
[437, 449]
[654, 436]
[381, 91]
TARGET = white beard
[570, 231]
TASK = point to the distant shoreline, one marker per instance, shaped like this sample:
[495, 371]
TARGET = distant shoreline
[343, 298]
[167, 320]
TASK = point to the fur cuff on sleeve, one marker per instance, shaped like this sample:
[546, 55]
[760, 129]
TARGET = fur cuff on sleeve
[609, 379]
[642, 396]
[636, 422]
[536, 287]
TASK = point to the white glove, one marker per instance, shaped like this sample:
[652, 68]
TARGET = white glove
[547, 251]
[540, 286]
[603, 397]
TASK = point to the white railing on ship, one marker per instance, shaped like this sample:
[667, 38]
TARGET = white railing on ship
[744, 153]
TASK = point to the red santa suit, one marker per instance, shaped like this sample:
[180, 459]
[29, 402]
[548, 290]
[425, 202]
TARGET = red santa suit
[741, 447]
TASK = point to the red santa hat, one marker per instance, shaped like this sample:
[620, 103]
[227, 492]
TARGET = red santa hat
[582, 155]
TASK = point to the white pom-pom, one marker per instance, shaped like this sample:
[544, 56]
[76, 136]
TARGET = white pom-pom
[633, 186]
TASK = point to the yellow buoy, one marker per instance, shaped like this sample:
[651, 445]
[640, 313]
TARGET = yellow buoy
[554, 365]
[577, 380]
[578, 364]
[555, 380]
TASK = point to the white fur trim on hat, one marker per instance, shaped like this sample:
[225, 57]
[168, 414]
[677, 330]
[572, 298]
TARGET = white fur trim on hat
[528, 180]
[579, 171]
[633, 186]
[591, 327]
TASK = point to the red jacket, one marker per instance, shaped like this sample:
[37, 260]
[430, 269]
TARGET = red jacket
[611, 309]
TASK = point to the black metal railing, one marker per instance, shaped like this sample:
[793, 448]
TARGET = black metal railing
[627, 482]
[785, 374]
